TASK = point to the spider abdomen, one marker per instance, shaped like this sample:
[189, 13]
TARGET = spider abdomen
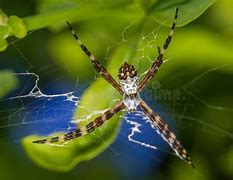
[131, 101]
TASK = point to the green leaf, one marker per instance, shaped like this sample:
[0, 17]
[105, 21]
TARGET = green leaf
[226, 161]
[53, 14]
[3, 18]
[4, 31]
[188, 10]
[8, 82]
[3, 44]
[10, 26]
[17, 26]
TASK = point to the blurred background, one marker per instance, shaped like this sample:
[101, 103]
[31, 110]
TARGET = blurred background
[192, 92]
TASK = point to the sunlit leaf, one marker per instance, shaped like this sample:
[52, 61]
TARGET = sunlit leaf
[3, 18]
[7, 82]
[17, 26]
[10, 26]
[188, 10]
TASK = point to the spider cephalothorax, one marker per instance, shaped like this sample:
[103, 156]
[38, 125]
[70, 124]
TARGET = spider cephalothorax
[127, 71]
[128, 79]
[129, 88]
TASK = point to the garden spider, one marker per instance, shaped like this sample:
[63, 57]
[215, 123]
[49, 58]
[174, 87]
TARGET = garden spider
[129, 88]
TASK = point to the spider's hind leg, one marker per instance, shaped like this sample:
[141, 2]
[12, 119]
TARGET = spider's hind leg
[100, 120]
[166, 133]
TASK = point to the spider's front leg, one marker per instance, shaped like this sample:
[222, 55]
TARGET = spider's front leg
[100, 120]
[164, 130]
[155, 66]
[99, 68]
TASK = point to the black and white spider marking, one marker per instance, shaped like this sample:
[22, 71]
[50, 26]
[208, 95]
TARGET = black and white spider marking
[129, 88]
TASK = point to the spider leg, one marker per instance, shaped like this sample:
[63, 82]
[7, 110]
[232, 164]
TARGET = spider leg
[155, 66]
[100, 69]
[100, 120]
[159, 50]
[164, 130]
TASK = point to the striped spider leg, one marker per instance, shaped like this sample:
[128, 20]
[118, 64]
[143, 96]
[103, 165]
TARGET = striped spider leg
[102, 118]
[155, 66]
[91, 126]
[164, 130]
[99, 68]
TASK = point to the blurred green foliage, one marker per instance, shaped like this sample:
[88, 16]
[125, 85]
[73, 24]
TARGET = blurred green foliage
[89, 11]
[51, 13]
[203, 46]
[8, 82]
[10, 26]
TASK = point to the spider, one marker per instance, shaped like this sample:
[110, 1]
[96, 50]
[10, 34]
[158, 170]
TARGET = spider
[129, 87]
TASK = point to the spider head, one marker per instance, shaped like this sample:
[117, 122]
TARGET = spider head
[126, 71]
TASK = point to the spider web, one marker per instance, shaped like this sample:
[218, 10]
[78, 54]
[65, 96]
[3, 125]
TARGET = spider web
[47, 108]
